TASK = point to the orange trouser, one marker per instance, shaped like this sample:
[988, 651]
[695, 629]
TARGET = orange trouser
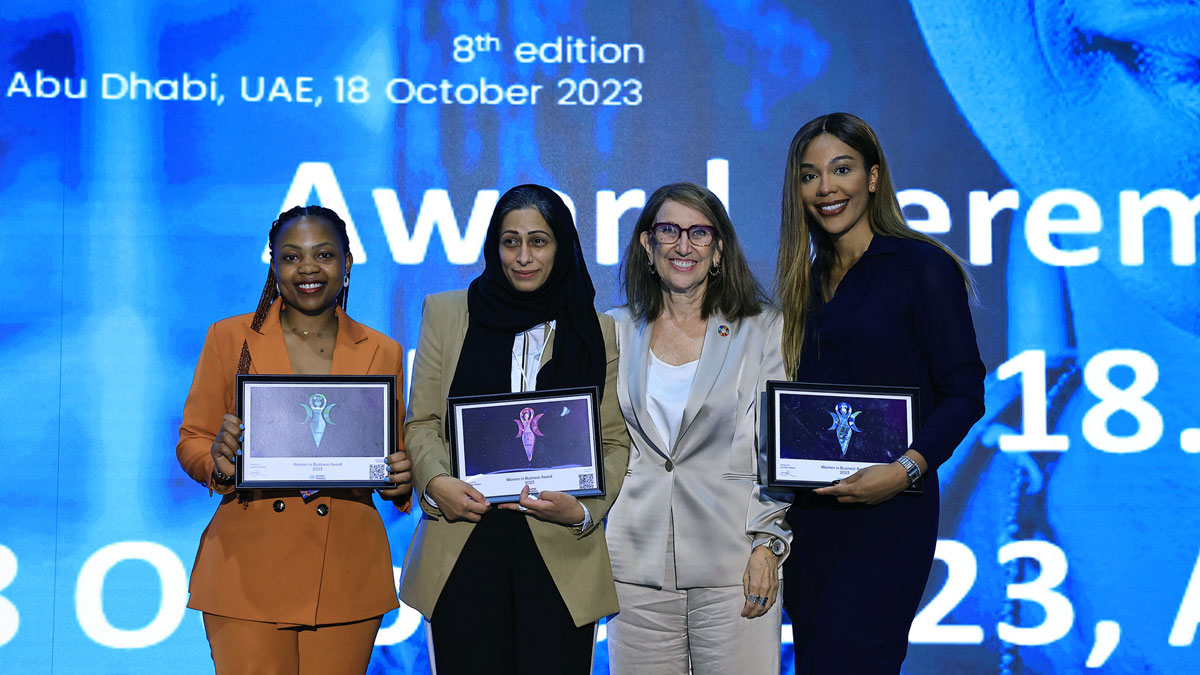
[263, 648]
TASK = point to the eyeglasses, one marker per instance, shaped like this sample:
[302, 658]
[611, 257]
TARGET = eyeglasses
[669, 233]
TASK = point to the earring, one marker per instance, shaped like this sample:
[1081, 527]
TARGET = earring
[650, 266]
[346, 281]
[714, 271]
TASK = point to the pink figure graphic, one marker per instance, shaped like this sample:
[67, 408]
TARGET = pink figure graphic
[527, 426]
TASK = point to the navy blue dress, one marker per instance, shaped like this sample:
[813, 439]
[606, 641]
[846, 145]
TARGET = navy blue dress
[856, 574]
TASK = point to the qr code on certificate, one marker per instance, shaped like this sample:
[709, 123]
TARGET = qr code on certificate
[378, 471]
[587, 481]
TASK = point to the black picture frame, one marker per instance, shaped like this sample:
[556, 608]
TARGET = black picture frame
[486, 453]
[812, 429]
[286, 425]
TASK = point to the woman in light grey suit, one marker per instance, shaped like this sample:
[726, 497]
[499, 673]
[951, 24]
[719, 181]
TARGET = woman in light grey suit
[695, 543]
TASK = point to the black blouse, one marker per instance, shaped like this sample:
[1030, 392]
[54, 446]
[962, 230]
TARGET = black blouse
[900, 317]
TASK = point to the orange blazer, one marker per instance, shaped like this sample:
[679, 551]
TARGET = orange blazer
[269, 555]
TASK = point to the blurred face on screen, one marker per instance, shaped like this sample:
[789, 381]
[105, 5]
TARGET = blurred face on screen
[309, 264]
[836, 186]
[682, 260]
[1096, 96]
[527, 248]
[1101, 97]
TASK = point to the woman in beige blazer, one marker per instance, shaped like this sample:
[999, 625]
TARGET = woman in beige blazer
[695, 542]
[516, 588]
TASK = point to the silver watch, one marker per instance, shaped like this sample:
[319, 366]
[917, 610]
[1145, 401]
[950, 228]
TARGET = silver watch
[911, 468]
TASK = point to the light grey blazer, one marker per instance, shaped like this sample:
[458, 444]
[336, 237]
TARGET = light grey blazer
[707, 481]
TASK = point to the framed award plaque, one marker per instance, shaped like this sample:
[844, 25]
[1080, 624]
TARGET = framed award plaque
[316, 432]
[548, 440]
[819, 434]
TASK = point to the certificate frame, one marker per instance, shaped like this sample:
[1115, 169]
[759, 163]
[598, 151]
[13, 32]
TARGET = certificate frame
[556, 445]
[812, 429]
[288, 418]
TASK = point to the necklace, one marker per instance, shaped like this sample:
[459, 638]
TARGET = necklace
[303, 333]
[320, 334]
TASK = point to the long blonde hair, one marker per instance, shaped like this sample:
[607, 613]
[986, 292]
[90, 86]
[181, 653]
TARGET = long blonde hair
[805, 250]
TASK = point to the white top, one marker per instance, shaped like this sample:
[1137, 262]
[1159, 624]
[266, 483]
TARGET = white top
[667, 389]
[527, 356]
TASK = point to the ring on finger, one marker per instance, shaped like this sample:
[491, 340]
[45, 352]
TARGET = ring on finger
[522, 508]
[762, 600]
[754, 598]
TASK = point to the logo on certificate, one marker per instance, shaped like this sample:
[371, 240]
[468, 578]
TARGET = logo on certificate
[843, 422]
[317, 416]
[527, 430]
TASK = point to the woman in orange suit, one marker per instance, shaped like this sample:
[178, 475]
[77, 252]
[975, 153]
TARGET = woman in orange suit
[290, 583]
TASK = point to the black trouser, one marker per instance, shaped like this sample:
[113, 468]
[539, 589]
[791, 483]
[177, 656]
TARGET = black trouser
[500, 612]
[855, 578]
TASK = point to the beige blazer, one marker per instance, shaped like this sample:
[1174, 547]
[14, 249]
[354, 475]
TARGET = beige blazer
[578, 561]
[706, 483]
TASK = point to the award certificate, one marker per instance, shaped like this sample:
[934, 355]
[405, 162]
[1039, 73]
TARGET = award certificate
[548, 440]
[820, 433]
[316, 432]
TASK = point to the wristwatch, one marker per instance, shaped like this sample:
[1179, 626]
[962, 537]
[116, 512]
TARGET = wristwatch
[775, 545]
[911, 468]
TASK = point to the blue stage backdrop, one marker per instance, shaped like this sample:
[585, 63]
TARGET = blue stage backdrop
[145, 148]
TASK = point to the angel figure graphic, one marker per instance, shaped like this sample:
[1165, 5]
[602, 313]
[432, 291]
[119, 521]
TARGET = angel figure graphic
[527, 430]
[843, 421]
[316, 415]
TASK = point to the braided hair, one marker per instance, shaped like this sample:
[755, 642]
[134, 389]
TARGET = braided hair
[271, 289]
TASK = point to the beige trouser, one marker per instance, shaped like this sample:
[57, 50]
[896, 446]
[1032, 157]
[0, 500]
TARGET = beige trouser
[663, 632]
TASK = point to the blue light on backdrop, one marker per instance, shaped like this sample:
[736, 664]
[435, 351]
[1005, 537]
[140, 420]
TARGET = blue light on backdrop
[145, 148]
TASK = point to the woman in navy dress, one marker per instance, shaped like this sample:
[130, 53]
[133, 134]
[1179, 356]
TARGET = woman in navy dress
[868, 301]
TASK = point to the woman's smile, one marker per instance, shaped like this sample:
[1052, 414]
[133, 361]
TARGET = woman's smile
[832, 208]
[682, 264]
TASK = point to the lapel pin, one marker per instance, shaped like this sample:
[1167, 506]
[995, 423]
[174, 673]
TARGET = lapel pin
[723, 330]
